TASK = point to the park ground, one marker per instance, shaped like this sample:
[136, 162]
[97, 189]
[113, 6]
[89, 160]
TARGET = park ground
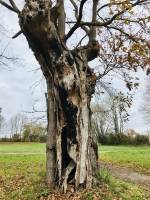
[22, 174]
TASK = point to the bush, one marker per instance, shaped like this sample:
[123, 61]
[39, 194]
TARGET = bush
[16, 138]
[116, 139]
[141, 139]
[34, 133]
[5, 139]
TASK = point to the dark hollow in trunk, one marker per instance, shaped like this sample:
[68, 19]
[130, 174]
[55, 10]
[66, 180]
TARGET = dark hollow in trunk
[72, 154]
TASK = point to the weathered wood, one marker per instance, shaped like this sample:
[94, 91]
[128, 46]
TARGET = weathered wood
[71, 155]
[51, 136]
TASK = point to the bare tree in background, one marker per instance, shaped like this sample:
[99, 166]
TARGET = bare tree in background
[110, 112]
[16, 124]
[5, 57]
[146, 105]
[120, 106]
[101, 120]
[72, 154]
[2, 120]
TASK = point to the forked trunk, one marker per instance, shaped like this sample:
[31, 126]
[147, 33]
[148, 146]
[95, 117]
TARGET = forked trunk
[71, 152]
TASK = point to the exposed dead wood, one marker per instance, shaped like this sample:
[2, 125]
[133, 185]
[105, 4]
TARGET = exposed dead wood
[70, 85]
[72, 154]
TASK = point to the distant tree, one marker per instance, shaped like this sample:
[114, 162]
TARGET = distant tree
[34, 132]
[148, 134]
[131, 132]
[110, 113]
[146, 103]
[101, 120]
[109, 29]
[16, 124]
[120, 106]
[109, 118]
[2, 120]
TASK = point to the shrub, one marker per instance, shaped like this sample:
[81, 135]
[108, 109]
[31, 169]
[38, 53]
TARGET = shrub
[141, 139]
[116, 139]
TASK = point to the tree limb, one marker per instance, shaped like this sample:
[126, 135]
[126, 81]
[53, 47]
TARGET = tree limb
[109, 21]
[108, 5]
[14, 6]
[17, 34]
[131, 37]
[76, 16]
[8, 6]
[75, 8]
[61, 18]
[94, 12]
[77, 24]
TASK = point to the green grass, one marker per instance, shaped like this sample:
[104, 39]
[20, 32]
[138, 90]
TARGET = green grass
[122, 190]
[22, 176]
[22, 171]
[22, 148]
[131, 156]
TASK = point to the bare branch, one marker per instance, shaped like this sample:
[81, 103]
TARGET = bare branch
[8, 6]
[104, 23]
[131, 37]
[17, 34]
[108, 5]
[77, 24]
[109, 21]
[14, 6]
[93, 29]
[75, 8]
[76, 16]
[80, 42]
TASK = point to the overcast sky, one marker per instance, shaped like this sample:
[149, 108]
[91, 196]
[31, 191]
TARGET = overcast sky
[21, 85]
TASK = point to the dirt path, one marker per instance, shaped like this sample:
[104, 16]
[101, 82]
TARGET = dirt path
[127, 174]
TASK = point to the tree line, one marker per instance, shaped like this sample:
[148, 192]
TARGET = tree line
[21, 129]
[110, 117]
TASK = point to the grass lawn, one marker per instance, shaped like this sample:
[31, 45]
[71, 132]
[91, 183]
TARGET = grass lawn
[131, 156]
[22, 177]
[22, 148]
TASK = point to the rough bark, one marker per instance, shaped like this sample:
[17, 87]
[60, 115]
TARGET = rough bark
[71, 151]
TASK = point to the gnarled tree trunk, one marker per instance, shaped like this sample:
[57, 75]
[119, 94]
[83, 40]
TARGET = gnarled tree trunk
[71, 152]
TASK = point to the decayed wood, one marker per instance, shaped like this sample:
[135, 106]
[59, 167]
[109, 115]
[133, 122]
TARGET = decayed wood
[70, 84]
[51, 136]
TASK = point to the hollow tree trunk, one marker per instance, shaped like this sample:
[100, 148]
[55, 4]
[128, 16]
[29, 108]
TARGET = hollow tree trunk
[71, 152]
